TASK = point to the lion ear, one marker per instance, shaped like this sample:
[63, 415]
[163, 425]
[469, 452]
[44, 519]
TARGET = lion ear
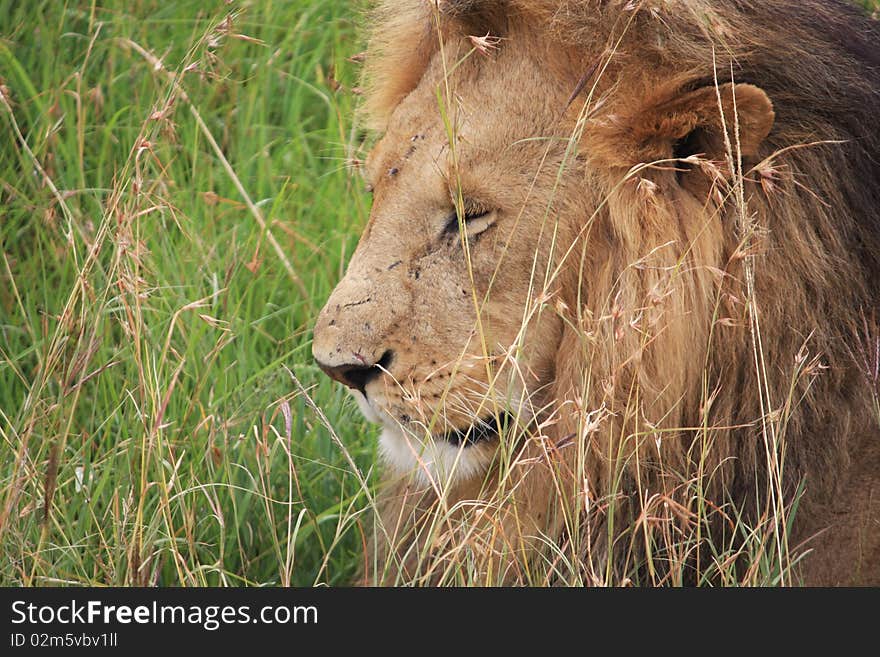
[689, 124]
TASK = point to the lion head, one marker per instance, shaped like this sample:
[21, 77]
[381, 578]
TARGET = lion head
[590, 229]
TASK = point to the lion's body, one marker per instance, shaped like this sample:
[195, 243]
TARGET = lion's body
[697, 347]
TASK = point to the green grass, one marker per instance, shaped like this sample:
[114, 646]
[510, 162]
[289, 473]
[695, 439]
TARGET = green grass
[147, 322]
[152, 316]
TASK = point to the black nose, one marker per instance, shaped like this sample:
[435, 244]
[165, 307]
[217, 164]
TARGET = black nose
[357, 375]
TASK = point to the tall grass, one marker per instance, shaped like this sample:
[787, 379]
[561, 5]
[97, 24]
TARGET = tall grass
[176, 203]
[175, 206]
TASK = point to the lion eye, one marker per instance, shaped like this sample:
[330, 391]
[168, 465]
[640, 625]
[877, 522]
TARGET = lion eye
[476, 220]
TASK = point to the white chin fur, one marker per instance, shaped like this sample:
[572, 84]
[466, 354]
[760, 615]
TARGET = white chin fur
[432, 461]
[365, 407]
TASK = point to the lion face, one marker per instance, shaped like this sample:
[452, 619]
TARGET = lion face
[441, 327]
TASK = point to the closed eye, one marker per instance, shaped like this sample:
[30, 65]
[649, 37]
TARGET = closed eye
[476, 220]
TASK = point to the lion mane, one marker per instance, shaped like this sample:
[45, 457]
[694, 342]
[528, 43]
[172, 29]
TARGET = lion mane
[720, 385]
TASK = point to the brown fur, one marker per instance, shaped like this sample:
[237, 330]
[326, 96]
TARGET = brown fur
[701, 180]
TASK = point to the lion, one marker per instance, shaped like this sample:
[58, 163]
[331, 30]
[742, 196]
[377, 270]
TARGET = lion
[614, 306]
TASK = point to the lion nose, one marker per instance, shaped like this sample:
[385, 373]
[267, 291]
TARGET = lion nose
[357, 375]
